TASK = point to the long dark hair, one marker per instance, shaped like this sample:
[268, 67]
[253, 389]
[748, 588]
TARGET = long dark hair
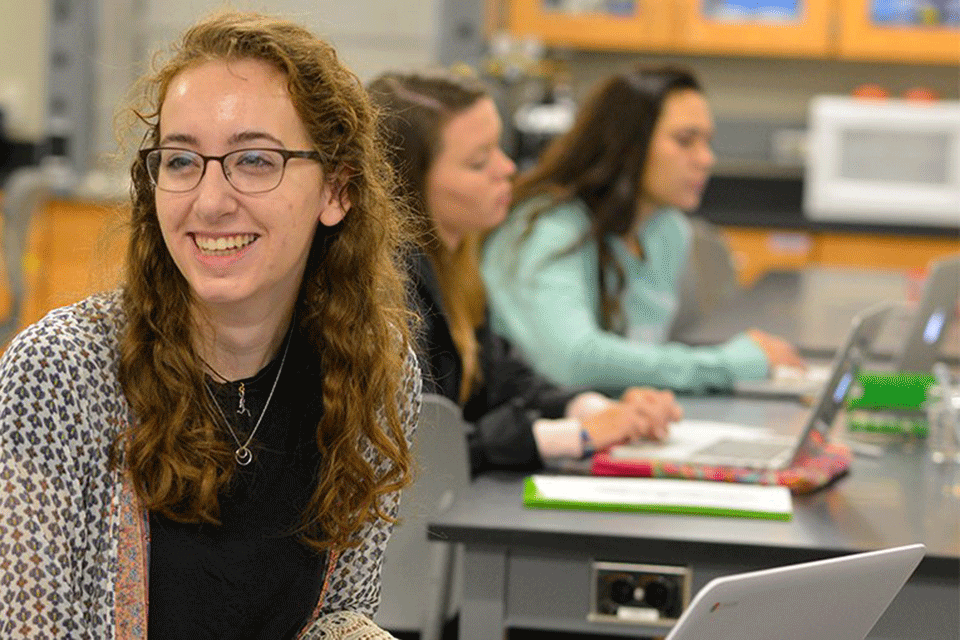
[601, 161]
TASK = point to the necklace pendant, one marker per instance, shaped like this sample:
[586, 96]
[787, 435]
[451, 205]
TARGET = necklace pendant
[242, 408]
[243, 456]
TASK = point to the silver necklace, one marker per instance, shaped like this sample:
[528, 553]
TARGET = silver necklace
[243, 454]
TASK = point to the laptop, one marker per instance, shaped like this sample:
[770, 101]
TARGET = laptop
[720, 444]
[836, 599]
[937, 307]
[921, 342]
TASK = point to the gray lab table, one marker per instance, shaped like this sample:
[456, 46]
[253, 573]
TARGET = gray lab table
[528, 568]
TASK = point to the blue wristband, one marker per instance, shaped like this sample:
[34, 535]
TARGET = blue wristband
[586, 443]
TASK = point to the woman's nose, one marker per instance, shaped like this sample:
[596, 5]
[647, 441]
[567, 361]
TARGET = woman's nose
[213, 190]
[507, 166]
[706, 156]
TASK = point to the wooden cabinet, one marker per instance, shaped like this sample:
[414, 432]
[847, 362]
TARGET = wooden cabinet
[632, 25]
[839, 29]
[757, 250]
[861, 39]
[882, 252]
[74, 249]
[808, 35]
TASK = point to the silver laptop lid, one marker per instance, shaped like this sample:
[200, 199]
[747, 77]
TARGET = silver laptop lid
[935, 311]
[843, 374]
[836, 599]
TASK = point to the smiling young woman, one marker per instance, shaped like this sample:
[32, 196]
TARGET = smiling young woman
[226, 435]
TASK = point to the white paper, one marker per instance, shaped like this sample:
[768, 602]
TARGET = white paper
[697, 494]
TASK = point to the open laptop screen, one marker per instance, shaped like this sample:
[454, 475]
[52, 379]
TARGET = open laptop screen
[843, 378]
[935, 311]
[934, 327]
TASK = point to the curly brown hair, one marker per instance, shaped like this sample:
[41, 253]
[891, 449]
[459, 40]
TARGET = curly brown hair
[601, 161]
[416, 106]
[351, 303]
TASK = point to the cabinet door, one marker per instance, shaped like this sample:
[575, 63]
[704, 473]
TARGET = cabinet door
[616, 25]
[881, 251]
[758, 250]
[787, 28]
[893, 31]
[75, 249]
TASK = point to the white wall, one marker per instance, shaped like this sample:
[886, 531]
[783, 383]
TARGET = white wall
[769, 89]
[370, 35]
[23, 66]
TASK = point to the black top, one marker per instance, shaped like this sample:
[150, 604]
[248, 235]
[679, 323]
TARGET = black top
[251, 577]
[511, 396]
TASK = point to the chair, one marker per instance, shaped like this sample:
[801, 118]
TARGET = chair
[419, 592]
[25, 190]
[709, 279]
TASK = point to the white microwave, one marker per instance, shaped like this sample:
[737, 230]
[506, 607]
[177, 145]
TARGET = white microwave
[883, 161]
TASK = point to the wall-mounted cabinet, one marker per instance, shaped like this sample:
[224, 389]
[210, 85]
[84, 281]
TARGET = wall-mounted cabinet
[799, 28]
[634, 25]
[864, 35]
[849, 29]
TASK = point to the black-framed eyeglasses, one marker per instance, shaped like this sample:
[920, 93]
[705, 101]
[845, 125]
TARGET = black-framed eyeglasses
[248, 170]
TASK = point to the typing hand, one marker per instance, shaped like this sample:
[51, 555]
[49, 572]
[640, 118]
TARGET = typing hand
[660, 406]
[779, 352]
[640, 414]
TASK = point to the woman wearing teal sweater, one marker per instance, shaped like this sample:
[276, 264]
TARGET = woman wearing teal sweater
[584, 275]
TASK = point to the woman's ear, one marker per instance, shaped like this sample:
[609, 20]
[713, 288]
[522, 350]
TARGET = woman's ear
[337, 201]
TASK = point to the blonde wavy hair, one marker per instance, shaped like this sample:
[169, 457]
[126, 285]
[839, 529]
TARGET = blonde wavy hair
[351, 303]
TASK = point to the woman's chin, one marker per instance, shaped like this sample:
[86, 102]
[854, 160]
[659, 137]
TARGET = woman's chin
[496, 218]
[689, 205]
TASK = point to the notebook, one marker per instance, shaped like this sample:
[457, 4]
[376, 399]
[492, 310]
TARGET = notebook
[720, 444]
[836, 599]
[921, 343]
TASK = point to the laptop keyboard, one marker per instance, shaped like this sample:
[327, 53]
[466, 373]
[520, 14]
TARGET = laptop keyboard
[743, 453]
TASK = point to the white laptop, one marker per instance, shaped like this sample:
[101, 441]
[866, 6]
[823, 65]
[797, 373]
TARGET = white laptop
[834, 599]
[921, 342]
[696, 442]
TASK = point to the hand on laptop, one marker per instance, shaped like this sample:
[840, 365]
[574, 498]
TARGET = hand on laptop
[641, 414]
[779, 352]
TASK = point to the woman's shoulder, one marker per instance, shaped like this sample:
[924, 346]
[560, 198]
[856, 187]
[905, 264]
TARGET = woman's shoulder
[555, 227]
[87, 330]
[671, 225]
[565, 217]
[58, 379]
[412, 393]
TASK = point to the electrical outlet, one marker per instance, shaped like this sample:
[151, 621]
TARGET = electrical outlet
[639, 593]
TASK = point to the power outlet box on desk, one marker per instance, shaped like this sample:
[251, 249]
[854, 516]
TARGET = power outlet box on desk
[630, 593]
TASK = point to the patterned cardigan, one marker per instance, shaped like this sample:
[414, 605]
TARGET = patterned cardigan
[74, 544]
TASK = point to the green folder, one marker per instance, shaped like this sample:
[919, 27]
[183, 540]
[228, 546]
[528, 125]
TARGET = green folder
[657, 495]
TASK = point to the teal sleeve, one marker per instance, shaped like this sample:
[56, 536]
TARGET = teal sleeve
[547, 306]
